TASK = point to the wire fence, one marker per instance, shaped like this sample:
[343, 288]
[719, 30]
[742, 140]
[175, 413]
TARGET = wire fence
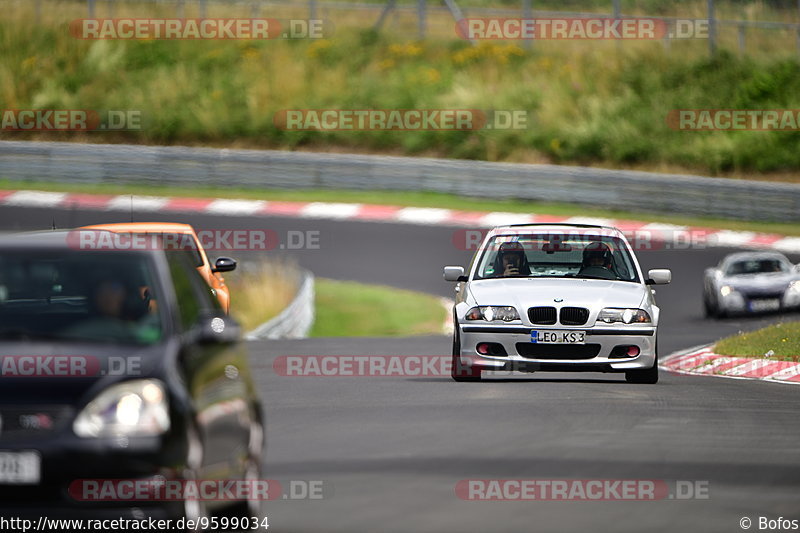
[740, 31]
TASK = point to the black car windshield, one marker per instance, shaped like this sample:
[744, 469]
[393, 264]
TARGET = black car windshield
[77, 296]
[756, 266]
[557, 255]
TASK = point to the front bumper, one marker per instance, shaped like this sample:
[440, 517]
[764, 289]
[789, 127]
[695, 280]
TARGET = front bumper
[517, 339]
[67, 461]
[738, 302]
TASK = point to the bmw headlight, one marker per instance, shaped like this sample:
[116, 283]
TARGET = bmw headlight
[609, 315]
[794, 286]
[491, 313]
[136, 408]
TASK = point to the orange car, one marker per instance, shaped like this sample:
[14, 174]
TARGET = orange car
[210, 274]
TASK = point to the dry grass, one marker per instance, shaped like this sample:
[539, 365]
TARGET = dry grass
[261, 290]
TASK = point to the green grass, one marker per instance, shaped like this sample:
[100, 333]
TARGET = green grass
[783, 339]
[417, 199]
[592, 103]
[349, 309]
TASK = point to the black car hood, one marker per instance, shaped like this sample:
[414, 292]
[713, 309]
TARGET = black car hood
[38, 373]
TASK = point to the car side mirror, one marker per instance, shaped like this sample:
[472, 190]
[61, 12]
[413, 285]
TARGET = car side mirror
[212, 329]
[454, 273]
[224, 264]
[659, 276]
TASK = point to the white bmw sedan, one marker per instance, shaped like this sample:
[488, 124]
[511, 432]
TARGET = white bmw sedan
[559, 297]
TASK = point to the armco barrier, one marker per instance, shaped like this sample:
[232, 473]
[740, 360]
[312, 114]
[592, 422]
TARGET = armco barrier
[296, 320]
[192, 167]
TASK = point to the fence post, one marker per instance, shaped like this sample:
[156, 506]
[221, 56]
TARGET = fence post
[202, 9]
[797, 39]
[742, 42]
[421, 22]
[38, 11]
[90, 4]
[616, 9]
[712, 29]
[312, 9]
[179, 11]
[527, 14]
[110, 8]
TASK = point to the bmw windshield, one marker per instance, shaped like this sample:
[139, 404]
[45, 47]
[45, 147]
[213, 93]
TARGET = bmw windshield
[557, 255]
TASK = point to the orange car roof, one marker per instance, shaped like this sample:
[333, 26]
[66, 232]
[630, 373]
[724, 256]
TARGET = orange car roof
[144, 227]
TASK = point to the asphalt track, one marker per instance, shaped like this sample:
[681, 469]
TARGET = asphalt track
[390, 451]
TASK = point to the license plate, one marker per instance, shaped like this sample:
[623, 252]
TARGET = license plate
[557, 337]
[765, 305]
[20, 468]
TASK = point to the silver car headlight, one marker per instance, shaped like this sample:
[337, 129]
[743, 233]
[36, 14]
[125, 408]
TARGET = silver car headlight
[491, 313]
[609, 315]
[794, 286]
[726, 290]
[136, 408]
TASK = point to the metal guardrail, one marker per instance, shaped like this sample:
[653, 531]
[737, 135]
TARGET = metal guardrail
[146, 166]
[296, 320]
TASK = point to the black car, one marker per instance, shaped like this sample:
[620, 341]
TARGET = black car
[118, 365]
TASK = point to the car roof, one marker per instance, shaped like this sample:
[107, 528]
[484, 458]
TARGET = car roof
[144, 227]
[48, 240]
[765, 254]
[554, 227]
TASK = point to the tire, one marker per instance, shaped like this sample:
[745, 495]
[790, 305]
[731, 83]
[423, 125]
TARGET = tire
[194, 510]
[253, 471]
[648, 376]
[708, 310]
[460, 372]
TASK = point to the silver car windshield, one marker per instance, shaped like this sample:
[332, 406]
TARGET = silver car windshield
[756, 266]
[554, 255]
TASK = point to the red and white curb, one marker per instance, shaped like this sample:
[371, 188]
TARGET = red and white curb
[686, 236]
[704, 362]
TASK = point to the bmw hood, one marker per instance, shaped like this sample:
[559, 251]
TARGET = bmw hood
[523, 293]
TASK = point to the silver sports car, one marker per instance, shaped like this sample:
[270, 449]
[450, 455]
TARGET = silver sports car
[751, 282]
[555, 297]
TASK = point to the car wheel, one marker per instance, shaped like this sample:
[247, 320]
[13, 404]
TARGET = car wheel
[708, 310]
[647, 376]
[459, 371]
[251, 507]
[194, 509]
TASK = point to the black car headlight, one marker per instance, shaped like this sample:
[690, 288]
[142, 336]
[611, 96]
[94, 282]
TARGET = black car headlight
[136, 408]
[491, 313]
[609, 315]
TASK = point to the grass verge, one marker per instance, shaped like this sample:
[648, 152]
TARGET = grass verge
[416, 199]
[782, 339]
[587, 102]
[350, 309]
